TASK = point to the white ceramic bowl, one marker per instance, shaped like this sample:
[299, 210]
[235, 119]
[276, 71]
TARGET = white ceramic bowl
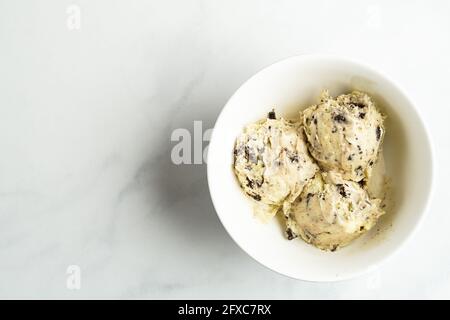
[289, 86]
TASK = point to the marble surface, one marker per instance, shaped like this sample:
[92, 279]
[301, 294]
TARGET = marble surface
[90, 93]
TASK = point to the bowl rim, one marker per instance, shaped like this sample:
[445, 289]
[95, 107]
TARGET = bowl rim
[429, 144]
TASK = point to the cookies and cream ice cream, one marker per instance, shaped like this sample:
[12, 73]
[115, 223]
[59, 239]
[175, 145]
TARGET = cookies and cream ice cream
[318, 169]
[345, 133]
[331, 212]
[272, 162]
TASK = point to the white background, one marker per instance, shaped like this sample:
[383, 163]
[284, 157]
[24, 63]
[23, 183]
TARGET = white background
[85, 122]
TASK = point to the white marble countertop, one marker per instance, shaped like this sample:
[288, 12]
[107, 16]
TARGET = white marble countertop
[90, 93]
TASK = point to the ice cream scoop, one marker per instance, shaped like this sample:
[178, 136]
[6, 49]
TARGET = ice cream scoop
[331, 212]
[272, 162]
[344, 134]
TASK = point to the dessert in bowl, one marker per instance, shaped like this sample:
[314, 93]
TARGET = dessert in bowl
[290, 87]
